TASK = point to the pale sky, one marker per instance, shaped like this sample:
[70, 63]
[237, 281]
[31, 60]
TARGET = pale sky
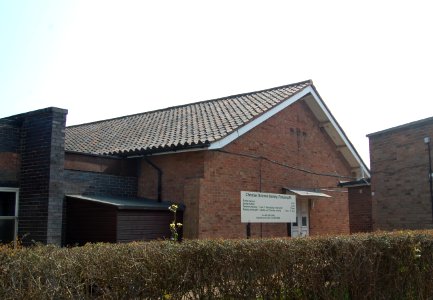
[371, 61]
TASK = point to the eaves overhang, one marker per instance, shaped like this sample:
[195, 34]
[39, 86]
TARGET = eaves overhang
[132, 153]
[162, 150]
[337, 134]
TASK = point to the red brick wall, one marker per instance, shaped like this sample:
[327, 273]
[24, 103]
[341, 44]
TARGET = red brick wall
[400, 186]
[210, 182]
[291, 137]
[9, 167]
[360, 209]
[182, 181]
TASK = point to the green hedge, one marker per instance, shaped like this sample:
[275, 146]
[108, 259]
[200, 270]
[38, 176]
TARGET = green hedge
[395, 265]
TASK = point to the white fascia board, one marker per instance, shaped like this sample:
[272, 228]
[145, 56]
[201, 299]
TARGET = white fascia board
[308, 90]
[289, 101]
[340, 132]
[244, 129]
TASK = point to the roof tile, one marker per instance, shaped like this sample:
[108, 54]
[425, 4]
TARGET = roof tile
[195, 124]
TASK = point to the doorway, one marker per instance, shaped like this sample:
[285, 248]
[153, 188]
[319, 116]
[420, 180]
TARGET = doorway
[301, 227]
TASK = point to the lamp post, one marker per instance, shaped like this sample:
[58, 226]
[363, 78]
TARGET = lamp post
[427, 142]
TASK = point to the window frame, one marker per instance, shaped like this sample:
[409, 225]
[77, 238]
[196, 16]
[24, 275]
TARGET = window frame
[14, 217]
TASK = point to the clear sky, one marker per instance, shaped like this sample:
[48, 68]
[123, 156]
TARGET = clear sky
[371, 61]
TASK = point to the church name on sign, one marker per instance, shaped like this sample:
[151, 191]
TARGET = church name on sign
[267, 208]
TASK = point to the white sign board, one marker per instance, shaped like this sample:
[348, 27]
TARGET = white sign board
[267, 208]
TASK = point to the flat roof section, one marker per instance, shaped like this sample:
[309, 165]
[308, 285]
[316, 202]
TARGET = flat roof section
[403, 127]
[128, 203]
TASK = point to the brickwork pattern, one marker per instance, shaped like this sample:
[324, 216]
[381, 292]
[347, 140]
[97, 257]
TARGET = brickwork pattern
[41, 183]
[56, 179]
[9, 135]
[91, 183]
[209, 182]
[182, 182]
[98, 164]
[95, 175]
[9, 153]
[9, 169]
[400, 185]
[360, 210]
[292, 137]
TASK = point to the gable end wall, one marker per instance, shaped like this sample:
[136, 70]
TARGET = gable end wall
[209, 182]
[292, 137]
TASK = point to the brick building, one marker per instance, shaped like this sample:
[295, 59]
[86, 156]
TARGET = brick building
[31, 175]
[360, 207]
[400, 181]
[202, 155]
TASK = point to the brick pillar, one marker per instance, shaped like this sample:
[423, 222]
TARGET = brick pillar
[41, 177]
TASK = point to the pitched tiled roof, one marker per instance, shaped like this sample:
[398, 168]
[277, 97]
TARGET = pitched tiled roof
[181, 127]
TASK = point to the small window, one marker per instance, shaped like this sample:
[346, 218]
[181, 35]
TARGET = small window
[296, 223]
[8, 214]
[304, 221]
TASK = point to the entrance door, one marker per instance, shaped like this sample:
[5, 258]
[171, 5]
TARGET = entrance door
[302, 225]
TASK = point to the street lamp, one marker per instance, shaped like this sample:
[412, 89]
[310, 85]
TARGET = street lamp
[427, 142]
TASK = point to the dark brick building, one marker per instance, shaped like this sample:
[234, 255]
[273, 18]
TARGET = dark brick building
[202, 155]
[31, 179]
[400, 181]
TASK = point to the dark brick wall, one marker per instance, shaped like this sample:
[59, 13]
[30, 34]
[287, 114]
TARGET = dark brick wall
[42, 136]
[95, 183]
[360, 219]
[400, 185]
[9, 152]
[9, 135]
[99, 164]
[90, 183]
